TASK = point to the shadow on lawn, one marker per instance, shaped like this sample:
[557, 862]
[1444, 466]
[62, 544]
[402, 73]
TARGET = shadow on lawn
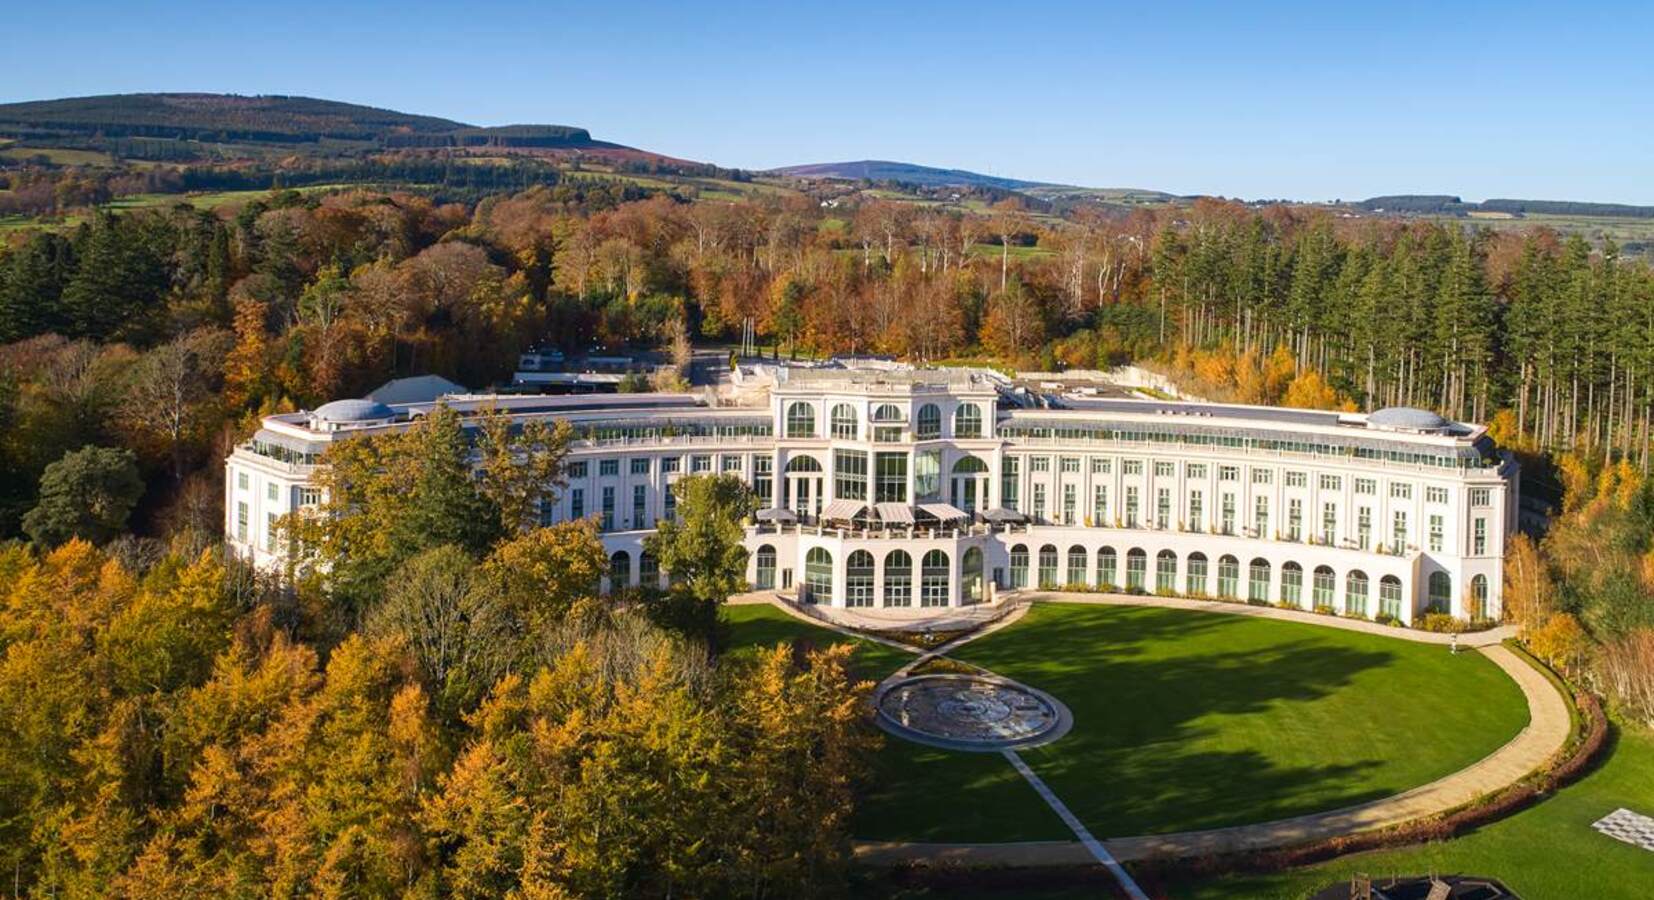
[1140, 702]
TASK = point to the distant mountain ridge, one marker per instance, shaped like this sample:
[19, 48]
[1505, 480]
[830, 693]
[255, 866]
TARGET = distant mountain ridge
[264, 118]
[909, 173]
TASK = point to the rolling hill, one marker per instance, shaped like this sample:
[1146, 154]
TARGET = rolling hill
[906, 173]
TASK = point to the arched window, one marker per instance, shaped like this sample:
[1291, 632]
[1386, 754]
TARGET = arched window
[969, 465]
[818, 576]
[1325, 583]
[1441, 592]
[1137, 564]
[1195, 579]
[803, 464]
[844, 422]
[1292, 584]
[1355, 593]
[1389, 597]
[887, 413]
[1076, 566]
[928, 424]
[1165, 572]
[971, 577]
[1478, 597]
[1107, 569]
[933, 579]
[887, 423]
[766, 568]
[801, 420]
[967, 421]
[1019, 566]
[1228, 577]
[858, 579]
[1048, 566]
[648, 569]
[1257, 581]
[620, 570]
[898, 578]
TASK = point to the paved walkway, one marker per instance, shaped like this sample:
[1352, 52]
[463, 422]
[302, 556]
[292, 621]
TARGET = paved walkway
[1544, 736]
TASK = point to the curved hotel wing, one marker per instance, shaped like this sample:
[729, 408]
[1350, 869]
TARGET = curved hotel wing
[908, 488]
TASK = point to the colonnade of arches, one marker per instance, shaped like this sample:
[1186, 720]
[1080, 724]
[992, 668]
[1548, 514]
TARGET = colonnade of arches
[621, 574]
[1352, 593]
[891, 581]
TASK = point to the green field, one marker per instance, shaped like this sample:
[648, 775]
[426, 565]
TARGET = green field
[1187, 720]
[750, 626]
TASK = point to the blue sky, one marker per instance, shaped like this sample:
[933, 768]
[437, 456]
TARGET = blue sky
[1296, 100]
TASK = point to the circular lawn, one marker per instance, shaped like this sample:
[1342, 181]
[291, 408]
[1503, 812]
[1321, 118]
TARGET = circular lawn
[1188, 720]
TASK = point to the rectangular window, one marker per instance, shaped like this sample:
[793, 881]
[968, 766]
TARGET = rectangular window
[1131, 506]
[1131, 467]
[1227, 523]
[577, 503]
[1478, 536]
[1481, 497]
[1195, 470]
[608, 523]
[729, 462]
[1366, 486]
[1039, 464]
[1331, 483]
[763, 478]
[1329, 523]
[700, 464]
[669, 505]
[1163, 508]
[1228, 473]
[1039, 502]
[1294, 519]
[890, 484]
[640, 506]
[270, 491]
[1099, 465]
[1196, 511]
[1165, 469]
[1401, 490]
[270, 530]
[1070, 501]
[1260, 517]
[849, 475]
[1364, 526]
[1008, 482]
[640, 465]
[1263, 476]
[309, 496]
[577, 469]
[241, 520]
[1435, 534]
[1070, 464]
[1398, 532]
[607, 468]
[670, 464]
[1435, 495]
[1296, 479]
[241, 480]
[1099, 505]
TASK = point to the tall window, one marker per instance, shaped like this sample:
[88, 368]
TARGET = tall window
[898, 578]
[1436, 536]
[1329, 523]
[1008, 481]
[766, 568]
[1076, 565]
[1163, 508]
[849, 475]
[1048, 566]
[844, 422]
[1325, 583]
[858, 579]
[927, 474]
[1038, 512]
[1228, 577]
[648, 569]
[1441, 592]
[241, 518]
[763, 479]
[1398, 531]
[1197, 511]
[1019, 566]
[929, 423]
[1106, 568]
[608, 523]
[1478, 597]
[1165, 572]
[1260, 517]
[801, 420]
[1195, 577]
[818, 576]
[1257, 582]
[640, 506]
[887, 423]
[1227, 525]
[933, 579]
[1292, 583]
[620, 570]
[1137, 563]
[1478, 536]
[1355, 593]
[1131, 506]
[1389, 597]
[967, 421]
[577, 503]
[1364, 526]
[890, 485]
[1294, 519]
[1099, 505]
[1069, 503]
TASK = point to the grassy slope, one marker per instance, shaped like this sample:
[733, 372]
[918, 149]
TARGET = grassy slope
[1189, 720]
[754, 626]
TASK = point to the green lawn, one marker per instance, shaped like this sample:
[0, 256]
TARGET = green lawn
[1188, 720]
[751, 626]
[1547, 852]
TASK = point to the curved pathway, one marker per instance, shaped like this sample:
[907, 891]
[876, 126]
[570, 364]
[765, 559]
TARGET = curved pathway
[1544, 736]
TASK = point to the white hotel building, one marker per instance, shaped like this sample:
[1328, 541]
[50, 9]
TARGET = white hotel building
[914, 488]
